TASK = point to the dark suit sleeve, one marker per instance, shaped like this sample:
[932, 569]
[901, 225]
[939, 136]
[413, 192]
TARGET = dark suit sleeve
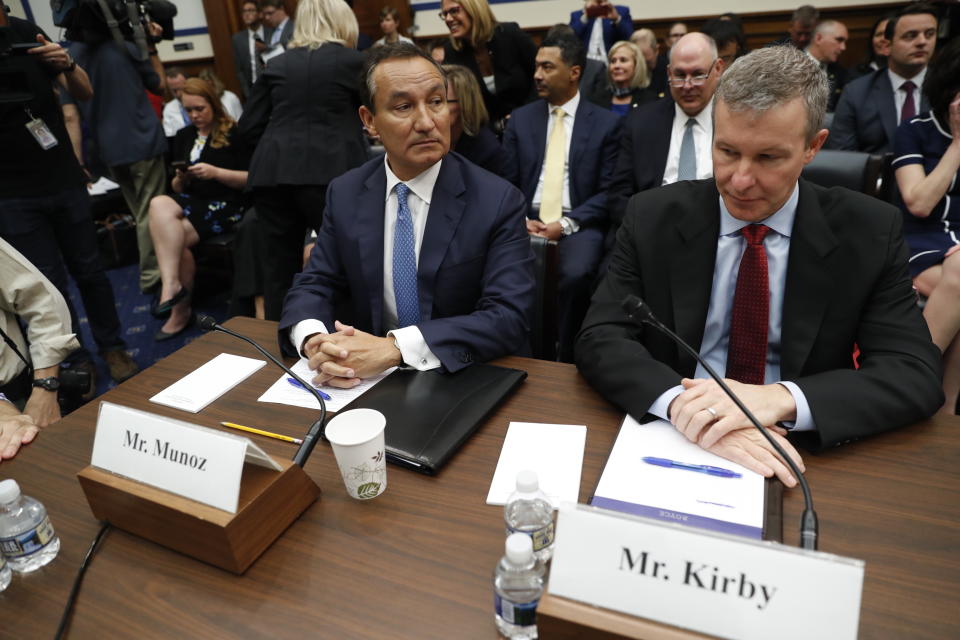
[624, 28]
[593, 211]
[509, 147]
[843, 131]
[898, 382]
[578, 25]
[610, 351]
[239, 60]
[621, 181]
[500, 322]
[256, 112]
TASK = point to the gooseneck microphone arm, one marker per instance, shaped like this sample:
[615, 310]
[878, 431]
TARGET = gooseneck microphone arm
[207, 323]
[639, 311]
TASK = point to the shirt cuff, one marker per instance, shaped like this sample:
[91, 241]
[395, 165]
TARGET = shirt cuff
[661, 406]
[414, 349]
[804, 421]
[302, 330]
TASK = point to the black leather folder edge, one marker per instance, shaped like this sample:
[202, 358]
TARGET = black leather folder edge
[430, 414]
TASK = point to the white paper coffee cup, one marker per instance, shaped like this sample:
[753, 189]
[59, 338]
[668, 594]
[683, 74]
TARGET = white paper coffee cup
[357, 440]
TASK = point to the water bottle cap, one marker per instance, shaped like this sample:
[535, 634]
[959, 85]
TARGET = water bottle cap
[527, 481]
[9, 491]
[519, 548]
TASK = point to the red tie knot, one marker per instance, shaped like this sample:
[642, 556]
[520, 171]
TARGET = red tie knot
[908, 86]
[755, 233]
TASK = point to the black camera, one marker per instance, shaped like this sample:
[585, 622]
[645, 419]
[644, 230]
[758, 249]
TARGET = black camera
[74, 381]
[96, 21]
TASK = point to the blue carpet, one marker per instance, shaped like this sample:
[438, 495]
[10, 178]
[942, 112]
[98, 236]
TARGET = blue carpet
[137, 325]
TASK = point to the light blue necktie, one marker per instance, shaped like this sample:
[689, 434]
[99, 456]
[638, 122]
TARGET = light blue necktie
[405, 263]
[687, 169]
[185, 115]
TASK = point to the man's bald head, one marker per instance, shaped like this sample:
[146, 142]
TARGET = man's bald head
[693, 72]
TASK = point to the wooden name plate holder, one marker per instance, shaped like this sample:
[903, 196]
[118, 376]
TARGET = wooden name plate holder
[565, 619]
[269, 502]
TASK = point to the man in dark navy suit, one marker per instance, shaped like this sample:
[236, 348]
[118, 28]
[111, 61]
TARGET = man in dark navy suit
[429, 251]
[599, 25]
[561, 151]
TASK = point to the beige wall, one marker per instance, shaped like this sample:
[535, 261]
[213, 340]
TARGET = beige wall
[539, 13]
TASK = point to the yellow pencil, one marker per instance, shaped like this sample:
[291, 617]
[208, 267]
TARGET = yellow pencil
[261, 432]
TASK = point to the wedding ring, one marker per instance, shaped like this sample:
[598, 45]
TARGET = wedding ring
[712, 412]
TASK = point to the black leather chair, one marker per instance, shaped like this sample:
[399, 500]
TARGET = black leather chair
[851, 169]
[543, 325]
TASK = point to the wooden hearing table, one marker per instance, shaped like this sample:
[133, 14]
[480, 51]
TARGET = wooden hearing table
[417, 561]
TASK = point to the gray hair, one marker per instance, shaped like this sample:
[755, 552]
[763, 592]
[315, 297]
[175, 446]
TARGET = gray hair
[827, 26]
[773, 76]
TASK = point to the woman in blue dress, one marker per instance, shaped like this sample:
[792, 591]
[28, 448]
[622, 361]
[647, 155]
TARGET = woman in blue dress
[927, 164]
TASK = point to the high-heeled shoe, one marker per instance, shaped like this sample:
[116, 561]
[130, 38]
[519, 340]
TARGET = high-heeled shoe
[163, 309]
[162, 335]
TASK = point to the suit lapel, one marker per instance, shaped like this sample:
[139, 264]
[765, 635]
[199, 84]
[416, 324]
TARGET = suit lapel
[369, 232]
[579, 140]
[660, 142]
[446, 209]
[691, 273]
[808, 281]
[883, 94]
[538, 142]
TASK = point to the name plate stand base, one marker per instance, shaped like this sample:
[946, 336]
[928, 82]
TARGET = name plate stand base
[565, 619]
[269, 503]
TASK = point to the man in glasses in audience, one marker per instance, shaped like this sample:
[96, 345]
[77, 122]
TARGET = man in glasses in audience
[669, 140]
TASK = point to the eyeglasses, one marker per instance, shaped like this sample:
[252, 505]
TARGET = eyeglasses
[452, 12]
[697, 80]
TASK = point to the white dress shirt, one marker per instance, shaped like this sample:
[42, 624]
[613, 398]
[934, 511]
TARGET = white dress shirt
[173, 119]
[410, 341]
[252, 34]
[900, 96]
[597, 49]
[702, 142]
[570, 113]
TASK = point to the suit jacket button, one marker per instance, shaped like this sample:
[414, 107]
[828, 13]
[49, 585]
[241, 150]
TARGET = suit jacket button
[466, 357]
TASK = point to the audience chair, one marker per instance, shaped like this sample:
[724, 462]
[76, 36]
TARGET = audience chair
[851, 169]
[543, 325]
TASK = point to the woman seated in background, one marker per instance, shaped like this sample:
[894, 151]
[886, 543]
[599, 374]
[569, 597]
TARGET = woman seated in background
[229, 100]
[470, 134]
[500, 55]
[211, 172]
[877, 51]
[390, 25]
[629, 81]
[927, 164]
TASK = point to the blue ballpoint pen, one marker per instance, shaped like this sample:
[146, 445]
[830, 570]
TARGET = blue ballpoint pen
[719, 472]
[297, 384]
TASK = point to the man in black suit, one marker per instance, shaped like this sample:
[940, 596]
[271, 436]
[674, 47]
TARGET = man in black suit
[249, 44]
[567, 197]
[274, 15]
[775, 281]
[430, 251]
[829, 41]
[872, 106]
[653, 134]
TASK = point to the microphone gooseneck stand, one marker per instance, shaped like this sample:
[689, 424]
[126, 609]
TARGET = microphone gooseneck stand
[207, 323]
[638, 311]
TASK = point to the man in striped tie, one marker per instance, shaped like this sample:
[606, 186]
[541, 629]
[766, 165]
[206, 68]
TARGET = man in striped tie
[775, 282]
[422, 259]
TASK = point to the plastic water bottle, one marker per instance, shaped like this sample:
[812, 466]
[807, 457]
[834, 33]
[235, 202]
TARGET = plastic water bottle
[528, 510]
[517, 587]
[5, 573]
[27, 538]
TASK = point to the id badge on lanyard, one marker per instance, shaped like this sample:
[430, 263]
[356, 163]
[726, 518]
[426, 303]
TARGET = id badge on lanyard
[40, 131]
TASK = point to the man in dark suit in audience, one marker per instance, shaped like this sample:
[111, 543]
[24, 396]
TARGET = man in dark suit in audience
[669, 140]
[274, 15]
[249, 44]
[872, 106]
[561, 152]
[430, 251]
[802, 23]
[773, 280]
[829, 41]
[599, 25]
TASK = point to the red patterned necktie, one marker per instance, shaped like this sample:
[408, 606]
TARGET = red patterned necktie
[909, 109]
[747, 353]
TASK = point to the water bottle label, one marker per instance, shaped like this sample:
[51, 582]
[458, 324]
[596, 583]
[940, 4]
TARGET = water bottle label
[542, 538]
[28, 542]
[519, 613]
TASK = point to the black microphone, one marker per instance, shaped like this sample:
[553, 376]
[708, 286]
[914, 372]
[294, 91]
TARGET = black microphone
[640, 311]
[207, 323]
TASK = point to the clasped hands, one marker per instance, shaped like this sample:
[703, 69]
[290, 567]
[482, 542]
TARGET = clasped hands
[343, 358]
[705, 415]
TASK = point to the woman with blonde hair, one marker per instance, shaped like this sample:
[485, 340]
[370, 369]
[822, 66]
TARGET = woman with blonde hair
[302, 117]
[470, 133]
[210, 165]
[500, 55]
[628, 83]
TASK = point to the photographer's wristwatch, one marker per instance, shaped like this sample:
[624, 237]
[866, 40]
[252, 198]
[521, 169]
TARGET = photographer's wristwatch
[50, 384]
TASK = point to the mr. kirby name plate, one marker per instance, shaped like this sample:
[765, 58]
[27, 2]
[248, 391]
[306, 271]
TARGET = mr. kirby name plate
[712, 583]
[191, 461]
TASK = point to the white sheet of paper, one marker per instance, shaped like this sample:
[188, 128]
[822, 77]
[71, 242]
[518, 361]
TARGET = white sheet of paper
[196, 390]
[554, 451]
[102, 186]
[628, 479]
[282, 392]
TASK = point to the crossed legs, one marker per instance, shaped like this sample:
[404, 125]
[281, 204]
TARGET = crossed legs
[173, 235]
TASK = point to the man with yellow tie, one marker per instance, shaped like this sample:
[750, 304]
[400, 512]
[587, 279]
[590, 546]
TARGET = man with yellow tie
[561, 152]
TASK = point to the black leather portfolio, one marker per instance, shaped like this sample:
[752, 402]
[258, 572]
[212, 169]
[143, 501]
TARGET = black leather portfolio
[430, 414]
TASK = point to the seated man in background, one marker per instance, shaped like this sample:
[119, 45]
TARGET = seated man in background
[431, 251]
[560, 151]
[802, 23]
[829, 41]
[775, 282]
[27, 405]
[175, 116]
